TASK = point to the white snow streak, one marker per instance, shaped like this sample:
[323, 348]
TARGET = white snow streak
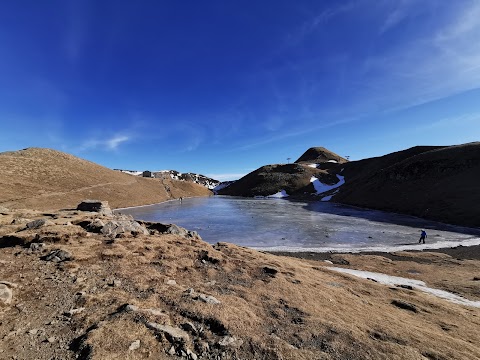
[321, 187]
[280, 194]
[417, 284]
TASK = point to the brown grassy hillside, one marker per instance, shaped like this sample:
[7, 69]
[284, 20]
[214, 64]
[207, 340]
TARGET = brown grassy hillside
[190, 300]
[439, 183]
[48, 179]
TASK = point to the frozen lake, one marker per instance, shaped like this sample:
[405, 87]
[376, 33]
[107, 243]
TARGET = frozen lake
[279, 224]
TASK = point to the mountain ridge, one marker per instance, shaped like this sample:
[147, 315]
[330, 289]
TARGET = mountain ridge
[433, 182]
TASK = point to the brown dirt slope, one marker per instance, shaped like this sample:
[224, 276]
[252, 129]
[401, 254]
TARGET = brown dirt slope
[270, 179]
[438, 183]
[44, 179]
[319, 155]
[191, 300]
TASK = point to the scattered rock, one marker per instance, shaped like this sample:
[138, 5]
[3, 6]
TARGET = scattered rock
[129, 308]
[171, 282]
[35, 224]
[36, 247]
[72, 312]
[476, 278]
[4, 210]
[208, 299]
[59, 255]
[269, 271]
[134, 345]
[202, 347]
[33, 332]
[95, 226]
[172, 351]
[101, 207]
[189, 327]
[405, 305]
[205, 257]
[230, 341]
[189, 291]
[176, 230]
[51, 339]
[191, 355]
[6, 294]
[173, 334]
[115, 283]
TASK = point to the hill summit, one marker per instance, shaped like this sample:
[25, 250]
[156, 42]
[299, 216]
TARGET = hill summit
[46, 179]
[320, 155]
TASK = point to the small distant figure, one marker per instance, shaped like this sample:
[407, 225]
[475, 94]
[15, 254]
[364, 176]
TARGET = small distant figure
[423, 236]
[181, 199]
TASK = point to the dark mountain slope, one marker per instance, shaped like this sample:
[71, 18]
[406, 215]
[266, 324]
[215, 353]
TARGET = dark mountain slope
[270, 179]
[439, 183]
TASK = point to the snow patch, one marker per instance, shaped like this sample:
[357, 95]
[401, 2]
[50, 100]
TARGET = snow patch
[340, 248]
[417, 284]
[313, 165]
[321, 187]
[333, 161]
[280, 194]
[130, 172]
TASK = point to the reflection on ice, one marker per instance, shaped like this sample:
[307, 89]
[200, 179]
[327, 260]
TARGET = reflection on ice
[278, 224]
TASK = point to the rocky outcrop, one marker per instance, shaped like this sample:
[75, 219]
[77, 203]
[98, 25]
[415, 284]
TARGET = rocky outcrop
[101, 207]
[115, 227]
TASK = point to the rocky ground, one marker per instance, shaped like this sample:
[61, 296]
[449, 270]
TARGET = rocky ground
[93, 285]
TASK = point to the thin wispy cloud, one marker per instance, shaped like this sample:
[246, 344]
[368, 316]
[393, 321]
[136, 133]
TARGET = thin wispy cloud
[114, 142]
[109, 144]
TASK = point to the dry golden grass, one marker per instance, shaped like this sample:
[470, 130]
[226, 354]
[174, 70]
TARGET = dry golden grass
[46, 179]
[273, 307]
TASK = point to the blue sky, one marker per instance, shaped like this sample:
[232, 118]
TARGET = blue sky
[223, 87]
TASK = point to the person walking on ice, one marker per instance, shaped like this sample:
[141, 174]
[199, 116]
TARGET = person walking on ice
[423, 236]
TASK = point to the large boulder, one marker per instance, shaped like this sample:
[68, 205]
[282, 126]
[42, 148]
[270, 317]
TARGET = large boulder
[101, 207]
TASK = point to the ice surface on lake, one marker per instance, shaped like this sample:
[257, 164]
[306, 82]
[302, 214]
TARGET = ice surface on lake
[279, 224]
